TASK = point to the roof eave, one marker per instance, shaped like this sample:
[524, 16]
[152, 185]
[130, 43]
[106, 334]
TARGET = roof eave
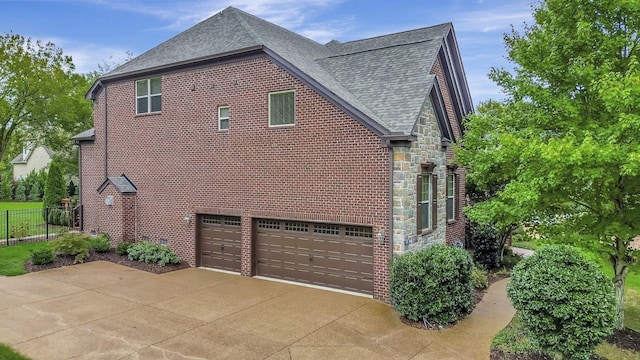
[97, 85]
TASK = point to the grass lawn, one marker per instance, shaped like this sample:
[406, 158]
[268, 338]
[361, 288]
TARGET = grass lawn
[22, 219]
[7, 353]
[10, 205]
[12, 258]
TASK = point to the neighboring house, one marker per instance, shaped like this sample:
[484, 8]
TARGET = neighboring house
[31, 159]
[249, 148]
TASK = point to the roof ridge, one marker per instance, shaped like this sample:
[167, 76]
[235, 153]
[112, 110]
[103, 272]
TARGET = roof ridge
[450, 24]
[377, 48]
[239, 14]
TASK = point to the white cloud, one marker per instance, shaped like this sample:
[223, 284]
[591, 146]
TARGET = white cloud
[180, 15]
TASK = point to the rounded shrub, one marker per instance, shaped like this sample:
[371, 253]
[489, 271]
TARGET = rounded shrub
[432, 284]
[102, 243]
[565, 301]
[484, 240]
[42, 256]
[123, 247]
[479, 278]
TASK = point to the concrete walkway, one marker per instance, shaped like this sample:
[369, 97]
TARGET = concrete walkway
[100, 310]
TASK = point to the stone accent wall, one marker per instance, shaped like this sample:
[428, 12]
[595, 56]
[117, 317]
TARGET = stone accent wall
[407, 165]
[456, 228]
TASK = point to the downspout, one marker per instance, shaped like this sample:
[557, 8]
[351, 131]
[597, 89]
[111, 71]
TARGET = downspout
[390, 202]
[105, 133]
[80, 185]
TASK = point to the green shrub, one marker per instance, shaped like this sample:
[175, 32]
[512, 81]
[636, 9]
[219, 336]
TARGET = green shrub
[479, 278]
[484, 240]
[152, 253]
[513, 339]
[21, 231]
[565, 301]
[121, 248]
[509, 259]
[72, 244]
[102, 243]
[432, 284]
[42, 256]
[54, 216]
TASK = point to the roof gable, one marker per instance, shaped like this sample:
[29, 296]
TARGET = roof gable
[121, 183]
[381, 82]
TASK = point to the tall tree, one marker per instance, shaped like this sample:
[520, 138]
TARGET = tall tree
[40, 96]
[54, 188]
[566, 143]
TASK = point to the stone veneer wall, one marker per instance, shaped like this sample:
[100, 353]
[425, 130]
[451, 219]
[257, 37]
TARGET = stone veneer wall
[406, 168]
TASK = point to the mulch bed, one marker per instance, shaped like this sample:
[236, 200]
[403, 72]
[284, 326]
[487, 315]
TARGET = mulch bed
[61, 261]
[479, 294]
[623, 339]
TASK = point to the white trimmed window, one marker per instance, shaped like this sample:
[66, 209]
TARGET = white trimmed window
[223, 118]
[425, 202]
[282, 108]
[426, 206]
[148, 96]
[451, 196]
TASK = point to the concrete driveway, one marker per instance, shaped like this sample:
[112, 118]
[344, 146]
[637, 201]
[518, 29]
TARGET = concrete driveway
[100, 310]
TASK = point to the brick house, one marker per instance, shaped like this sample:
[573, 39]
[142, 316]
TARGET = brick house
[246, 147]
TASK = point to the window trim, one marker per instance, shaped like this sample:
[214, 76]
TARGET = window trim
[453, 197]
[427, 171]
[220, 118]
[148, 96]
[294, 108]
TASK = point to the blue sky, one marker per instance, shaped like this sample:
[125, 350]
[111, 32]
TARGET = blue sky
[99, 31]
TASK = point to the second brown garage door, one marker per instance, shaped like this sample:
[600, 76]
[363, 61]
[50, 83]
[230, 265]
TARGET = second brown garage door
[331, 255]
[220, 239]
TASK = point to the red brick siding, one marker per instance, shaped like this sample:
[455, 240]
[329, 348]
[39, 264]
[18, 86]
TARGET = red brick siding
[455, 229]
[327, 167]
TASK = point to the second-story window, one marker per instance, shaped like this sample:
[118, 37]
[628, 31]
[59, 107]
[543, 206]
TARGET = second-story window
[148, 96]
[282, 108]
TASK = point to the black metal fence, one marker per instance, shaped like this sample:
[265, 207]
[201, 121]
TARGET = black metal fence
[35, 225]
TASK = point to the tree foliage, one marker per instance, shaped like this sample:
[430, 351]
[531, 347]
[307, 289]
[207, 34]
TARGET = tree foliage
[564, 145]
[54, 190]
[41, 98]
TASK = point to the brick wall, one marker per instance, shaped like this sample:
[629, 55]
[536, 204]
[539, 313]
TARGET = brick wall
[327, 167]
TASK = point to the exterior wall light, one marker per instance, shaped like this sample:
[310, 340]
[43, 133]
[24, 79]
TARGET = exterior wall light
[187, 219]
[380, 237]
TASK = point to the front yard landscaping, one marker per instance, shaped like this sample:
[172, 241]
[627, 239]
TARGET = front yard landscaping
[16, 259]
[512, 343]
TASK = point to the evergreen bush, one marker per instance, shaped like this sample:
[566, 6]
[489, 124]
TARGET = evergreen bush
[432, 284]
[565, 301]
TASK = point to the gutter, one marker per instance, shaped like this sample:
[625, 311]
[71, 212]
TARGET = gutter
[170, 67]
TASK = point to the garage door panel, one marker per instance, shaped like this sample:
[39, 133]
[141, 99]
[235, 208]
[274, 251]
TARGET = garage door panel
[320, 254]
[220, 242]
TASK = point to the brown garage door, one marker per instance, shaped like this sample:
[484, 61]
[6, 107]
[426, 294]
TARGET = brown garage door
[220, 242]
[337, 256]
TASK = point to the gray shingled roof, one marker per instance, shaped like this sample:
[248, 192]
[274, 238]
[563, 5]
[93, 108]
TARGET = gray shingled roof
[85, 135]
[383, 80]
[121, 183]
